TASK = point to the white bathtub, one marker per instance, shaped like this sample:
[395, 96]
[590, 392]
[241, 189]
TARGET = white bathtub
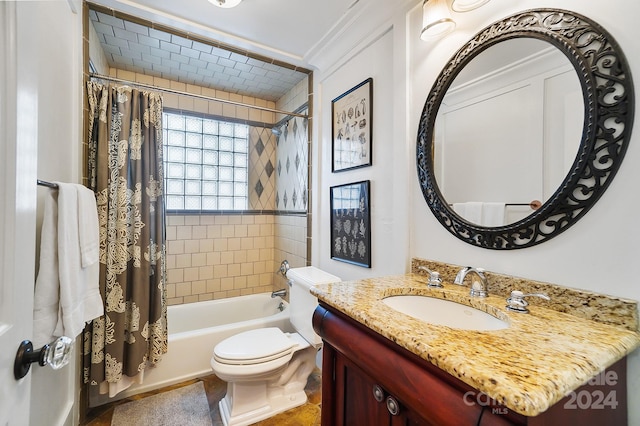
[194, 330]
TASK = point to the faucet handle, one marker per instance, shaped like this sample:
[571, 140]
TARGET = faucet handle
[434, 277]
[516, 302]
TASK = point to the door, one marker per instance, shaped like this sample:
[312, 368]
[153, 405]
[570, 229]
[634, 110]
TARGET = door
[18, 95]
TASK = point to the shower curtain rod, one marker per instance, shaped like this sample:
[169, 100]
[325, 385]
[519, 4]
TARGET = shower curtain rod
[193, 95]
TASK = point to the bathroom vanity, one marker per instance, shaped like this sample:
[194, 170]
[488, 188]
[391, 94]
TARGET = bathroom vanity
[547, 367]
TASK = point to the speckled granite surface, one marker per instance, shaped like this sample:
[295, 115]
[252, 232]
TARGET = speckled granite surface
[527, 367]
[581, 303]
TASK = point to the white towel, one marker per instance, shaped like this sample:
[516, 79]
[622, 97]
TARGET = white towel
[483, 214]
[88, 227]
[471, 211]
[67, 293]
[493, 214]
[47, 293]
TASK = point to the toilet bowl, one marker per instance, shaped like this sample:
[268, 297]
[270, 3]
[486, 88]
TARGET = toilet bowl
[266, 369]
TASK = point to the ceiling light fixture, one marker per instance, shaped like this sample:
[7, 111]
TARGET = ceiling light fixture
[466, 5]
[436, 19]
[227, 4]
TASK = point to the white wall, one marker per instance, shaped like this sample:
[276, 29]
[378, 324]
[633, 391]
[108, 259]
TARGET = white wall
[388, 201]
[598, 253]
[57, 33]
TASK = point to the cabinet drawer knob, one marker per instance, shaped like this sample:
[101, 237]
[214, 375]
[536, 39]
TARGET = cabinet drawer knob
[378, 393]
[393, 406]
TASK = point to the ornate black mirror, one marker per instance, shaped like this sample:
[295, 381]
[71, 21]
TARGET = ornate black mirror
[593, 127]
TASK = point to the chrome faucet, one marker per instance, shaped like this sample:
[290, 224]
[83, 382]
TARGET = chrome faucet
[516, 302]
[478, 288]
[434, 277]
[279, 293]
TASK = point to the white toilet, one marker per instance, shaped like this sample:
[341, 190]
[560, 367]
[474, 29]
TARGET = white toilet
[267, 369]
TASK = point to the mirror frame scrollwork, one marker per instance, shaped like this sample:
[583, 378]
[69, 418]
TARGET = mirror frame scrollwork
[608, 117]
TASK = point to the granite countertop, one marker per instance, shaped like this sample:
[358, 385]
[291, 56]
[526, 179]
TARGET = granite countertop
[526, 367]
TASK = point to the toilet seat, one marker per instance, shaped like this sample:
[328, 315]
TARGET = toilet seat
[254, 347]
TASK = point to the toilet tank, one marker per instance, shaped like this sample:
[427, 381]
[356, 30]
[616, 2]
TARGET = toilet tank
[302, 303]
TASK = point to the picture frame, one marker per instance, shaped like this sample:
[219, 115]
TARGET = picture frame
[351, 128]
[351, 223]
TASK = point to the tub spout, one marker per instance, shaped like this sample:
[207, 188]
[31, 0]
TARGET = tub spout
[279, 293]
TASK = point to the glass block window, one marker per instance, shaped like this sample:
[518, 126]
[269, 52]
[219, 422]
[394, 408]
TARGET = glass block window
[206, 163]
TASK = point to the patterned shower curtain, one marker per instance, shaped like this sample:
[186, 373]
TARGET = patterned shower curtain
[126, 173]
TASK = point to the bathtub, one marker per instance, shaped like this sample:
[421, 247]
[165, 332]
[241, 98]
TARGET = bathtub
[194, 330]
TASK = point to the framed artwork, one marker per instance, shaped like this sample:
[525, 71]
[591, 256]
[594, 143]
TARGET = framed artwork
[351, 224]
[351, 128]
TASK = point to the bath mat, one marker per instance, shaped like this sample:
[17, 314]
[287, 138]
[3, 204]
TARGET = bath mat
[185, 406]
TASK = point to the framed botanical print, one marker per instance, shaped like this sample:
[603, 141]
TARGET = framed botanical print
[351, 130]
[351, 223]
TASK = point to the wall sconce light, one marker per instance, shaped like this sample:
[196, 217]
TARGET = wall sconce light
[436, 17]
[466, 5]
[226, 4]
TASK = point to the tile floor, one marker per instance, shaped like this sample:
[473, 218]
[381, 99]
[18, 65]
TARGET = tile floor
[307, 414]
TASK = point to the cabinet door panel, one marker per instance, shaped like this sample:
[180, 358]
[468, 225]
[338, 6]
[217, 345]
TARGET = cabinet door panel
[360, 406]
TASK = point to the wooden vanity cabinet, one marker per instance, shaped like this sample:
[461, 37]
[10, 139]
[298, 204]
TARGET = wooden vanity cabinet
[368, 380]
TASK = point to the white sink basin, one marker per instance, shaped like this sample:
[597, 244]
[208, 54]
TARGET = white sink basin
[444, 312]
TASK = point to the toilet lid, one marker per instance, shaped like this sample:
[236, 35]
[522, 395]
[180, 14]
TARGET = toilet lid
[254, 346]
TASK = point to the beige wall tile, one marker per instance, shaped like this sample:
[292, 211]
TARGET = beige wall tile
[214, 231]
[190, 299]
[240, 256]
[183, 260]
[233, 293]
[191, 274]
[175, 301]
[171, 291]
[205, 272]
[192, 220]
[183, 289]
[240, 231]
[175, 247]
[239, 283]
[226, 257]
[233, 270]
[191, 246]
[220, 271]
[227, 284]
[198, 287]
[233, 244]
[253, 255]
[213, 285]
[217, 256]
[175, 276]
[205, 297]
[199, 232]
[206, 246]
[171, 232]
[213, 258]
[246, 268]
[183, 232]
[220, 244]
[173, 220]
[199, 259]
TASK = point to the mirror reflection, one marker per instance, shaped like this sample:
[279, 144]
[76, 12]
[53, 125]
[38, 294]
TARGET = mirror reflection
[507, 131]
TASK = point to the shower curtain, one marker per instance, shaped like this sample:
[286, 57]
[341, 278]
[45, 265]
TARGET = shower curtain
[126, 173]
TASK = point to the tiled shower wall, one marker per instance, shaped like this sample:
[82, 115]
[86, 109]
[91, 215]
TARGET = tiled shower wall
[217, 256]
